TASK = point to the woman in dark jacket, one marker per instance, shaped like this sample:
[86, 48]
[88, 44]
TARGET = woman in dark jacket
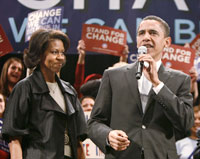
[43, 118]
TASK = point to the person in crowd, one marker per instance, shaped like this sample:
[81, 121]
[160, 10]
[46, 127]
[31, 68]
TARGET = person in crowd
[87, 103]
[194, 85]
[11, 73]
[186, 146]
[138, 118]
[43, 117]
[4, 149]
[89, 91]
[80, 67]
[2, 104]
[90, 88]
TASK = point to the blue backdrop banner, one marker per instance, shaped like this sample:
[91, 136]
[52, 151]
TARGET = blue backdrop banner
[183, 17]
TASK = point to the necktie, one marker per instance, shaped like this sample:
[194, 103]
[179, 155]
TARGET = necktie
[145, 87]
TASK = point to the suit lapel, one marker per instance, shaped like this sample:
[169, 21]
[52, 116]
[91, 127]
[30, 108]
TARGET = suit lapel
[133, 85]
[163, 75]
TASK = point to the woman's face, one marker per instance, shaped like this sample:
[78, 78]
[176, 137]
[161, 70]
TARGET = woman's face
[2, 104]
[196, 125]
[14, 72]
[54, 57]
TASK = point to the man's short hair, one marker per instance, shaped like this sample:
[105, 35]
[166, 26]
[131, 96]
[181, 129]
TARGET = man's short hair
[161, 21]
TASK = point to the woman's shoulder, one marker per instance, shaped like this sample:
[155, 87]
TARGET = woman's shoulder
[68, 87]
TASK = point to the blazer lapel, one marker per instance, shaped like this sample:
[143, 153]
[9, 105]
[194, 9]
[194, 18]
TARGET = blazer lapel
[48, 103]
[133, 84]
[163, 75]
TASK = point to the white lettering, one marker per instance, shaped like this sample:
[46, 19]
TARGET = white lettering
[181, 5]
[114, 4]
[120, 24]
[138, 4]
[35, 4]
[179, 30]
[79, 4]
[176, 57]
[183, 52]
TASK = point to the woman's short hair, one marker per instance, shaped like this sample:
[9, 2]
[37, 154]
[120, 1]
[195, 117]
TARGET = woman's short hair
[39, 42]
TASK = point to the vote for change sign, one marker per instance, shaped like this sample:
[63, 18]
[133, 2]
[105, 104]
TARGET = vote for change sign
[5, 46]
[48, 19]
[103, 39]
[179, 58]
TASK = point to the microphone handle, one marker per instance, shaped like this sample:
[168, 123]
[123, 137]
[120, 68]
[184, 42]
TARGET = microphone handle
[139, 70]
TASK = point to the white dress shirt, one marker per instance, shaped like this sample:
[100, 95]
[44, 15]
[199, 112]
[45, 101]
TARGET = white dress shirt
[144, 86]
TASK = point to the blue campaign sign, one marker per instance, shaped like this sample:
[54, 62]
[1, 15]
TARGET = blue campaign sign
[182, 16]
[44, 18]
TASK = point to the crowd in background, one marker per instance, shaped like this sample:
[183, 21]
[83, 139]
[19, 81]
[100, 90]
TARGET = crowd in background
[87, 87]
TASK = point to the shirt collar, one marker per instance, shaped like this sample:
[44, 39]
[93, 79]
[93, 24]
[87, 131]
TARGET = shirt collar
[158, 63]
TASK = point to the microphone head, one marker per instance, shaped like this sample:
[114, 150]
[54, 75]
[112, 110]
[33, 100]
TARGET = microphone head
[142, 50]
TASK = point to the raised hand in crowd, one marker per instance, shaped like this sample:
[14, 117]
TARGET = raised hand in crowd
[81, 51]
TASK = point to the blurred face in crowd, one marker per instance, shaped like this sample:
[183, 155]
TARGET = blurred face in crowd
[87, 104]
[2, 105]
[14, 72]
[152, 35]
[54, 57]
[196, 122]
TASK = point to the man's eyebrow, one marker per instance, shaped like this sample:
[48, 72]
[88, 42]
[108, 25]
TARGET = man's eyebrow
[141, 31]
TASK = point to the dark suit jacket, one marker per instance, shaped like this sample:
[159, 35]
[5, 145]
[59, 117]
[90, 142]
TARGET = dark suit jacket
[118, 106]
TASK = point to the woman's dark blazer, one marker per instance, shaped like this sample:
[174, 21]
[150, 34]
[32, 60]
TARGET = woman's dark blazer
[32, 114]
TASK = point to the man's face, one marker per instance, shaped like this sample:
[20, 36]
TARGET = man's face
[151, 34]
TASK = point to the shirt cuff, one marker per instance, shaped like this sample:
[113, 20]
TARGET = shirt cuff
[158, 88]
[107, 142]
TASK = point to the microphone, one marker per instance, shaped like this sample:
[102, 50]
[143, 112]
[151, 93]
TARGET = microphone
[141, 50]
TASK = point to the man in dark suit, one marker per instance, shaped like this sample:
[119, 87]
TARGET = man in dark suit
[137, 119]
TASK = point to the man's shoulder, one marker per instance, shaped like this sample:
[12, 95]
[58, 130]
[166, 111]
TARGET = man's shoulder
[177, 72]
[122, 68]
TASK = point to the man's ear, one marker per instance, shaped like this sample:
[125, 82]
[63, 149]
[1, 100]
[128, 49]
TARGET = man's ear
[168, 41]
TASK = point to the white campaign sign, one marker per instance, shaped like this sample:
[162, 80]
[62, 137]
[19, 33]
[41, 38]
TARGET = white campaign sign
[90, 149]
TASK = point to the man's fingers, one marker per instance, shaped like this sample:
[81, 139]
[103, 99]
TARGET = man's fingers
[118, 140]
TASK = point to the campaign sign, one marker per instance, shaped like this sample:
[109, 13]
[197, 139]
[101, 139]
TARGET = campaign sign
[48, 19]
[195, 44]
[90, 149]
[103, 39]
[5, 46]
[179, 58]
